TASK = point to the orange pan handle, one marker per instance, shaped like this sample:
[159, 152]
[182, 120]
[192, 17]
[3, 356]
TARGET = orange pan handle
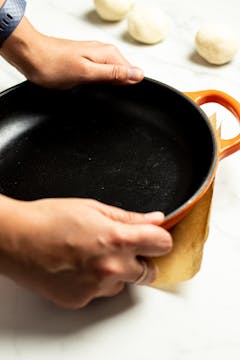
[227, 146]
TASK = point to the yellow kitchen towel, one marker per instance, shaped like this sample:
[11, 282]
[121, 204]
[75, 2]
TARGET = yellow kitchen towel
[189, 236]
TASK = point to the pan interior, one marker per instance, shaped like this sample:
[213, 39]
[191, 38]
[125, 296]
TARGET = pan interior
[142, 147]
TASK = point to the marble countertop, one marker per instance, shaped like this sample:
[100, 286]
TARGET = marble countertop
[201, 318]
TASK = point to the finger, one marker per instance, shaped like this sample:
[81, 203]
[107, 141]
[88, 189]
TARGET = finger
[113, 73]
[148, 274]
[113, 290]
[144, 240]
[128, 217]
[126, 269]
[143, 271]
[104, 54]
[115, 58]
[138, 271]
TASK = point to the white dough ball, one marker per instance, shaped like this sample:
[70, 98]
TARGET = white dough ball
[216, 43]
[148, 25]
[113, 10]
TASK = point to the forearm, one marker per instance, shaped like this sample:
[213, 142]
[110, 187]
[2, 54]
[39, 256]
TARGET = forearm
[11, 230]
[60, 63]
[19, 49]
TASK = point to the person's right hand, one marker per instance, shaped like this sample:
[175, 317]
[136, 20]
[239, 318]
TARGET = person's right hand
[71, 251]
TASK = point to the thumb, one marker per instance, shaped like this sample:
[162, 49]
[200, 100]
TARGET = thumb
[114, 73]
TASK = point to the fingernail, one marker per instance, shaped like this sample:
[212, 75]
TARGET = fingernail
[155, 216]
[135, 74]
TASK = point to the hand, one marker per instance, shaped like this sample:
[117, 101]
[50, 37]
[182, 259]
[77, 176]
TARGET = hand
[59, 63]
[71, 251]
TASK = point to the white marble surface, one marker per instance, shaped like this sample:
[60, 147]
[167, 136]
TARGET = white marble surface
[201, 320]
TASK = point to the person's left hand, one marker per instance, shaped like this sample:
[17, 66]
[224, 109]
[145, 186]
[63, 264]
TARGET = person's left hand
[71, 251]
[60, 63]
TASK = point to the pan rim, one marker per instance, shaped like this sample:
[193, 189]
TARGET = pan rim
[206, 182]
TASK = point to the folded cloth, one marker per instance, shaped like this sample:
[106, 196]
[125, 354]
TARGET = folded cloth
[189, 236]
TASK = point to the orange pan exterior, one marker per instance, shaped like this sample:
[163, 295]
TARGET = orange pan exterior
[226, 148]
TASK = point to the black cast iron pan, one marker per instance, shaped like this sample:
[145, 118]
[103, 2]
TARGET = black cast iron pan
[145, 147]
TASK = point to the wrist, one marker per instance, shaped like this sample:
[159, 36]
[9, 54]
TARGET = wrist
[21, 48]
[12, 230]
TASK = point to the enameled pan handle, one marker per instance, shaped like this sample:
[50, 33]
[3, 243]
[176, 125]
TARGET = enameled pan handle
[227, 146]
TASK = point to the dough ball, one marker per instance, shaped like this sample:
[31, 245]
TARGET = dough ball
[113, 10]
[148, 25]
[216, 43]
